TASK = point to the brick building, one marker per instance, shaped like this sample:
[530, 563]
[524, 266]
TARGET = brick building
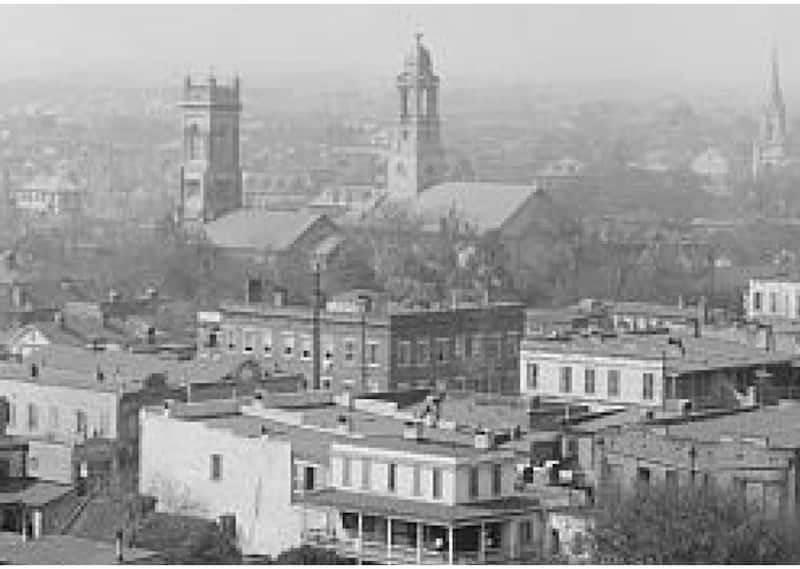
[368, 345]
[752, 453]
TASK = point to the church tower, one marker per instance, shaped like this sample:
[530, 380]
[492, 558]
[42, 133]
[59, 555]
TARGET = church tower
[769, 151]
[211, 175]
[417, 158]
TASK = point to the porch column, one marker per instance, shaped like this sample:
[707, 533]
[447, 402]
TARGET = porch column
[360, 536]
[482, 544]
[37, 524]
[419, 543]
[389, 537]
[450, 544]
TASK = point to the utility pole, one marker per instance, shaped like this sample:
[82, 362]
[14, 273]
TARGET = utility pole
[315, 348]
[363, 306]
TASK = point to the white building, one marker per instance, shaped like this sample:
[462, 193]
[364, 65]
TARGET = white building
[48, 195]
[648, 370]
[773, 297]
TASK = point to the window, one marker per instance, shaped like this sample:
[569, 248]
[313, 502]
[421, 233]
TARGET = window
[797, 306]
[372, 354]
[459, 346]
[647, 386]
[391, 483]
[308, 478]
[588, 381]
[248, 341]
[492, 346]
[230, 339]
[474, 481]
[468, 341]
[33, 463]
[442, 350]
[671, 482]
[436, 481]
[613, 382]
[533, 376]
[216, 467]
[757, 301]
[104, 423]
[512, 344]
[288, 345]
[212, 340]
[266, 338]
[565, 383]
[423, 352]
[497, 479]
[477, 342]
[12, 414]
[305, 348]
[33, 417]
[349, 350]
[81, 424]
[642, 479]
[366, 474]
[327, 353]
[773, 302]
[417, 487]
[53, 417]
[346, 466]
[404, 353]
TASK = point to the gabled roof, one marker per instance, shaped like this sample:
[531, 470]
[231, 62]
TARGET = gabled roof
[260, 229]
[487, 206]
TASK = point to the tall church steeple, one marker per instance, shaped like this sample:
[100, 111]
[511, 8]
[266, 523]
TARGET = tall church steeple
[769, 151]
[417, 160]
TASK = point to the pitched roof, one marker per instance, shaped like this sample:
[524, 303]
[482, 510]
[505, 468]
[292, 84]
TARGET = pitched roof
[260, 229]
[780, 424]
[485, 205]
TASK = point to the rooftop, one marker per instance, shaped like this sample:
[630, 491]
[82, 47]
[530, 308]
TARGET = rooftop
[780, 424]
[32, 492]
[487, 206]
[260, 229]
[313, 429]
[77, 367]
[696, 354]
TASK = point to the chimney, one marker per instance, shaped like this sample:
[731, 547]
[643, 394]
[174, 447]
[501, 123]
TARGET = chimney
[484, 440]
[151, 293]
[412, 430]
[343, 425]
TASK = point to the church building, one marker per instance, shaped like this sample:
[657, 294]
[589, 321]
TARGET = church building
[770, 151]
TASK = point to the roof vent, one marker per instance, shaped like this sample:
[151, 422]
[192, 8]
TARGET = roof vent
[412, 430]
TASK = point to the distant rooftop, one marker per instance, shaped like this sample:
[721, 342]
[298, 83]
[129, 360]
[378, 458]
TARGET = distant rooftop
[697, 354]
[780, 424]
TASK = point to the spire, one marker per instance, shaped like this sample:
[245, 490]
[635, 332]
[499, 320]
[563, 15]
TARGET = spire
[776, 97]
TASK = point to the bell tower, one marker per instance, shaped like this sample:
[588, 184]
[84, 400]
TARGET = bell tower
[211, 175]
[417, 158]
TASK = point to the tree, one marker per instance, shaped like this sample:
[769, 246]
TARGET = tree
[186, 540]
[689, 525]
[308, 555]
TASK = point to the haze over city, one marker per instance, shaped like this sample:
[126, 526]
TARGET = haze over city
[707, 44]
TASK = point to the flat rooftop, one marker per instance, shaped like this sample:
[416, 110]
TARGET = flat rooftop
[780, 424]
[698, 354]
[312, 430]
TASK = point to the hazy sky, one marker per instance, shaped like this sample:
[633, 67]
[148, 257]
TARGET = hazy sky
[726, 43]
